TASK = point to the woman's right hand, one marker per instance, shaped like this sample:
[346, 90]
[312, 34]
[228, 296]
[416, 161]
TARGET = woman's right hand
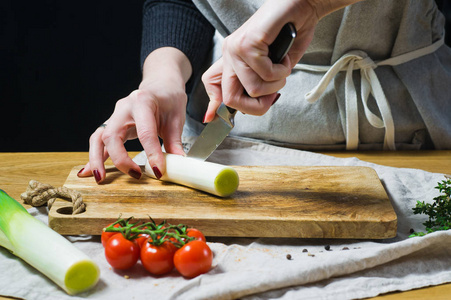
[245, 64]
[156, 109]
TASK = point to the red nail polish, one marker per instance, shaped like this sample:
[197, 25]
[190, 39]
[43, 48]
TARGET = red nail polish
[205, 116]
[135, 174]
[275, 100]
[97, 175]
[157, 172]
[78, 174]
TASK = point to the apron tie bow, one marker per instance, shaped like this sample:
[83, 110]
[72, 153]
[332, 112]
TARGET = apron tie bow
[349, 62]
[359, 60]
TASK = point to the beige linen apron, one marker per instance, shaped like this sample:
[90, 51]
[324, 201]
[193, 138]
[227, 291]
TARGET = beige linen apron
[376, 76]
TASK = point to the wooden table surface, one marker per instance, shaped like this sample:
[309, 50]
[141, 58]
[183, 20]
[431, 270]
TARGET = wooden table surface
[17, 169]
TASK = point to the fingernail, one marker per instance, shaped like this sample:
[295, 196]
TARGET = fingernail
[275, 100]
[135, 174]
[205, 116]
[157, 172]
[97, 175]
[78, 174]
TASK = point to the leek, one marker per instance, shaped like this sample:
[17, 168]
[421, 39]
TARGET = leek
[216, 179]
[44, 249]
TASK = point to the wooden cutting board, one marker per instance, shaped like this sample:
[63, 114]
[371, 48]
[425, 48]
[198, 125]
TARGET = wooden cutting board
[271, 201]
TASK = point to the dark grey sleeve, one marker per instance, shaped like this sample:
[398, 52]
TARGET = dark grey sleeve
[179, 24]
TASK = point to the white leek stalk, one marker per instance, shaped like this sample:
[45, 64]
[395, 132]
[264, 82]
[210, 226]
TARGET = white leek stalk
[209, 177]
[44, 249]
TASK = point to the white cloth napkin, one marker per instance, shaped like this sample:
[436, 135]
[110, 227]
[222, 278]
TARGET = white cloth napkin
[258, 268]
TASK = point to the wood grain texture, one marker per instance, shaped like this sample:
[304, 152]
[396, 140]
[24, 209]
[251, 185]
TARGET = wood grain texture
[276, 201]
[431, 161]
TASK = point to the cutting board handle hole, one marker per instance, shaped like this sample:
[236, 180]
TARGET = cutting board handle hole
[67, 210]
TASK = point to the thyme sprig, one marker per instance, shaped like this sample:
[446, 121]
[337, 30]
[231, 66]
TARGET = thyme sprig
[439, 211]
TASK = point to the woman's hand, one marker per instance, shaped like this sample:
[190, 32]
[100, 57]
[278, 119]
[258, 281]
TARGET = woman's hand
[245, 64]
[156, 109]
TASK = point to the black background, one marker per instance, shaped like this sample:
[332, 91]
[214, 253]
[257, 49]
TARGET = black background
[63, 65]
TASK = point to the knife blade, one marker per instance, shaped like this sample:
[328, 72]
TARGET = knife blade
[217, 130]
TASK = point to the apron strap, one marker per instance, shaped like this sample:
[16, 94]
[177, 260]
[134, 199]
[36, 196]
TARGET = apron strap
[370, 84]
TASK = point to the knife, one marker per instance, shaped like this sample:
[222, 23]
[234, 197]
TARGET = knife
[217, 130]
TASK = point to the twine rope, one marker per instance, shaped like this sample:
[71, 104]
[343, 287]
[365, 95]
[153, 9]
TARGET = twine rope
[39, 194]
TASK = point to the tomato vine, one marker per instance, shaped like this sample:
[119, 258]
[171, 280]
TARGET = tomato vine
[161, 247]
[158, 233]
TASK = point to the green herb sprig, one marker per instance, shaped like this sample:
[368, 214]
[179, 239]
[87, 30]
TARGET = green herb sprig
[439, 211]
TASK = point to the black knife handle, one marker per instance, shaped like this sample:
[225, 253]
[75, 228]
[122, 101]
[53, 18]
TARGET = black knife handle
[282, 44]
[278, 49]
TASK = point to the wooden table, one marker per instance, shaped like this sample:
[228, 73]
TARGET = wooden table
[17, 169]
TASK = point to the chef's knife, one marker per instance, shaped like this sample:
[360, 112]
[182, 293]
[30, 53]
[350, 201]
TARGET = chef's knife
[217, 130]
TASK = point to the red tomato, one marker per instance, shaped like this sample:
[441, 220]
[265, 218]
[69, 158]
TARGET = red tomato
[193, 259]
[121, 253]
[193, 232]
[158, 260]
[106, 235]
[142, 239]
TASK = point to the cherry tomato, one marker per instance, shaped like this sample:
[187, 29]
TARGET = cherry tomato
[193, 232]
[142, 239]
[121, 253]
[158, 260]
[106, 235]
[193, 259]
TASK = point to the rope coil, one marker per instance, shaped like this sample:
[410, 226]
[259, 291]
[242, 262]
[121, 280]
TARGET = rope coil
[39, 194]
